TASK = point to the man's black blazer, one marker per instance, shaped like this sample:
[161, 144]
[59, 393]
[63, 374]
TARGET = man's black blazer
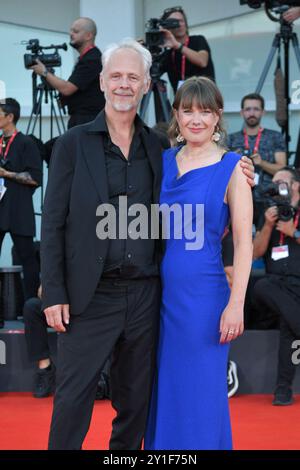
[72, 257]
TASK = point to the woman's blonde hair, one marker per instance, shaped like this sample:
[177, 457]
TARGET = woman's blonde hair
[204, 94]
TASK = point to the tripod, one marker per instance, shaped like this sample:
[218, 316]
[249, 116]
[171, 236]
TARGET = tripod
[162, 105]
[40, 91]
[285, 36]
[46, 91]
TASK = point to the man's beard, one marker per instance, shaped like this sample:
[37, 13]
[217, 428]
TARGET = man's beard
[75, 45]
[120, 106]
[252, 122]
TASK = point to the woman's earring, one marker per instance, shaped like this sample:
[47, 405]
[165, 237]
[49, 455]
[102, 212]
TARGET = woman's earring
[180, 138]
[216, 136]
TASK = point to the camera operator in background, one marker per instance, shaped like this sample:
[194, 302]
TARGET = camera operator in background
[20, 175]
[278, 240]
[187, 56]
[80, 93]
[266, 147]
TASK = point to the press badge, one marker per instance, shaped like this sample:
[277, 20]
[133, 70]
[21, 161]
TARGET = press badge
[280, 252]
[2, 188]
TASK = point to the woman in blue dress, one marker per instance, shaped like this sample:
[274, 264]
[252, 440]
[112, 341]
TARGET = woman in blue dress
[200, 316]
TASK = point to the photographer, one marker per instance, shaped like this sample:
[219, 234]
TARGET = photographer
[278, 240]
[265, 146]
[81, 92]
[188, 55]
[20, 175]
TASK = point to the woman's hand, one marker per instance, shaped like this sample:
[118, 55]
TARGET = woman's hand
[232, 323]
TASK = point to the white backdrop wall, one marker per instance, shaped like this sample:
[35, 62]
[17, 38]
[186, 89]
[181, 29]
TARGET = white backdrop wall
[115, 19]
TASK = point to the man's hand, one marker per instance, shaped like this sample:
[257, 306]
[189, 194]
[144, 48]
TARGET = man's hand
[3, 173]
[256, 158]
[292, 14]
[288, 228]
[39, 68]
[56, 315]
[170, 40]
[248, 169]
[271, 216]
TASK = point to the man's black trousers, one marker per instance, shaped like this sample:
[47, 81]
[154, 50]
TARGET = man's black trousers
[282, 295]
[26, 253]
[36, 333]
[122, 319]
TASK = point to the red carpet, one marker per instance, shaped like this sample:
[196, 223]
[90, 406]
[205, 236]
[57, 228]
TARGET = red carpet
[256, 424]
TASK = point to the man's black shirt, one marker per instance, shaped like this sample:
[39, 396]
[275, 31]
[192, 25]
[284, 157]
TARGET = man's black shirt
[173, 67]
[289, 266]
[133, 178]
[88, 99]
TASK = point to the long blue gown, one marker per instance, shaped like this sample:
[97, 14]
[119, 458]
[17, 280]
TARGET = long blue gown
[189, 406]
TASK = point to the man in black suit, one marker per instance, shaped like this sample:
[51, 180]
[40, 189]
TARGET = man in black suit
[103, 295]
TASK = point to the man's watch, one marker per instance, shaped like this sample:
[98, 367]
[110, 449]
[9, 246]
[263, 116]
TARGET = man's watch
[45, 73]
[296, 234]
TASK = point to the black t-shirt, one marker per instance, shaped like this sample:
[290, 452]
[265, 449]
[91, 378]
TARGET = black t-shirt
[172, 63]
[16, 206]
[289, 266]
[88, 99]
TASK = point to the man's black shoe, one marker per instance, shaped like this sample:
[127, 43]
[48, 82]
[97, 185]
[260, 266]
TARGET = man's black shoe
[103, 387]
[283, 396]
[44, 383]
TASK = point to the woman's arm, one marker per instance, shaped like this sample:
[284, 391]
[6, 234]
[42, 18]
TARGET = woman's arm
[241, 212]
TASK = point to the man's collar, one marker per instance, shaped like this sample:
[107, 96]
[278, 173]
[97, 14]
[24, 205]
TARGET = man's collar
[86, 50]
[99, 125]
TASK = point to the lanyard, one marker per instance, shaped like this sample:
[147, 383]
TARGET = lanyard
[296, 222]
[87, 49]
[12, 138]
[183, 59]
[246, 140]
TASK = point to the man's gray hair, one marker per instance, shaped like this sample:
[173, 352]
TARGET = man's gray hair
[128, 43]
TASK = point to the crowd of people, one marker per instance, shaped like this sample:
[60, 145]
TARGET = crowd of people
[153, 309]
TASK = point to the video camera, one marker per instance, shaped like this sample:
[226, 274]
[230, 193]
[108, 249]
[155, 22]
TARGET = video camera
[270, 4]
[49, 60]
[154, 36]
[278, 194]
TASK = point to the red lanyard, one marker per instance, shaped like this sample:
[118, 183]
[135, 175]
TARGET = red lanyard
[183, 59]
[296, 222]
[86, 50]
[246, 140]
[12, 138]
